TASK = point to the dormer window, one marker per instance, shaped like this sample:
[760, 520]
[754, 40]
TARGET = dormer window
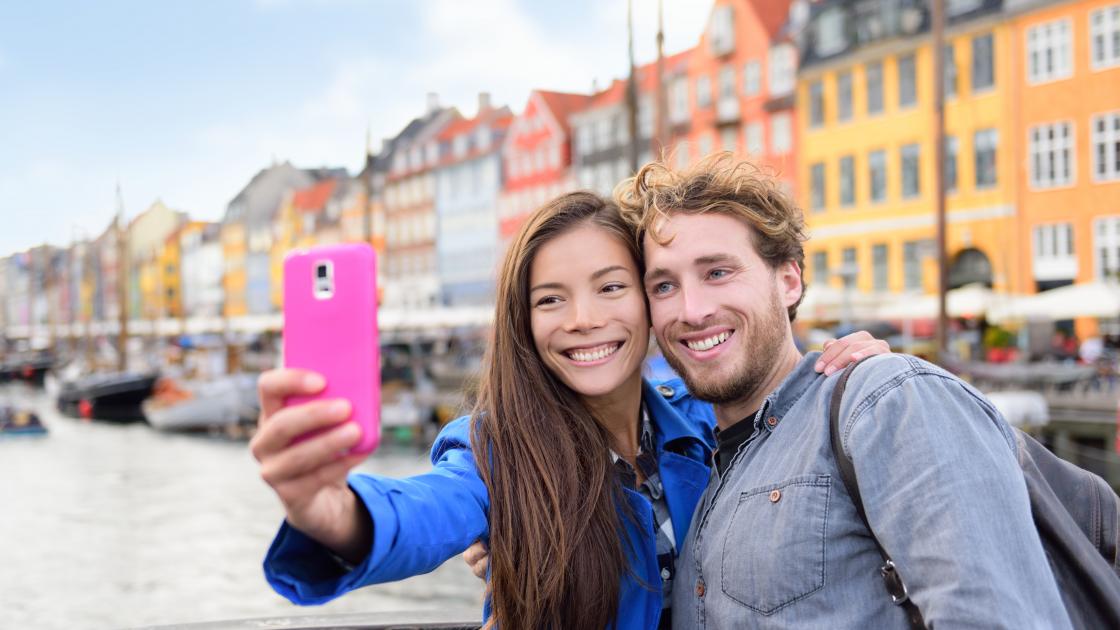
[459, 148]
[721, 30]
[831, 35]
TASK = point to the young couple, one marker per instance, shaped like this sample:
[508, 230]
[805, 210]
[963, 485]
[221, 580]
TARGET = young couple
[608, 501]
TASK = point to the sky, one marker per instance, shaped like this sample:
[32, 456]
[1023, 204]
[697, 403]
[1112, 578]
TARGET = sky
[184, 101]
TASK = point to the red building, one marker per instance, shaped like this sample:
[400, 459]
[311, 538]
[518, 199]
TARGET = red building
[536, 156]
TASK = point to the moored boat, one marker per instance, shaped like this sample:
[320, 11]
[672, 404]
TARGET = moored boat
[16, 422]
[178, 405]
[114, 397]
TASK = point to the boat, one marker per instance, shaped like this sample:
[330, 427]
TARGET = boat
[180, 405]
[31, 369]
[19, 422]
[114, 397]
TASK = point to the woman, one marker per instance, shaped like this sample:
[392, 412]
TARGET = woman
[591, 476]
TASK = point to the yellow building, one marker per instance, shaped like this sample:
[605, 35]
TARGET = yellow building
[234, 279]
[1067, 64]
[865, 101]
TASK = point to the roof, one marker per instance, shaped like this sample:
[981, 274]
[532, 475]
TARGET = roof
[313, 198]
[564, 104]
[647, 81]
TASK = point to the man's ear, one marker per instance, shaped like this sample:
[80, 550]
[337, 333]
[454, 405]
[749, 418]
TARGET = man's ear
[788, 277]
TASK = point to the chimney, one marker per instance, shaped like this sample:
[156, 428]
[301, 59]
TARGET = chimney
[483, 102]
[594, 86]
[433, 102]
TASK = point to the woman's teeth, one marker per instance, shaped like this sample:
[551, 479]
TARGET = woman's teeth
[709, 343]
[593, 354]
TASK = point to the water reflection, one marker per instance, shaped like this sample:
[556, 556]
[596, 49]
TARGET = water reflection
[109, 526]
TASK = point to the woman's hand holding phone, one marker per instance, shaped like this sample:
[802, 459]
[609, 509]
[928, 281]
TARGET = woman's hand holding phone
[309, 474]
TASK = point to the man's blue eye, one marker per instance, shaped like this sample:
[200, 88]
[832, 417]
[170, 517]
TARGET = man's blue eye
[718, 273]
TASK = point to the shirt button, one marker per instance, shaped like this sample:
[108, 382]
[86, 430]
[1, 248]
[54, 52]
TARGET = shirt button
[665, 573]
[772, 422]
[775, 496]
[700, 588]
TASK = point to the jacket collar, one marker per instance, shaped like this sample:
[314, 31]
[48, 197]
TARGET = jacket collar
[670, 424]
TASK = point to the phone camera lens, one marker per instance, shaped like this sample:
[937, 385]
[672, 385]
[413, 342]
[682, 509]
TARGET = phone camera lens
[321, 271]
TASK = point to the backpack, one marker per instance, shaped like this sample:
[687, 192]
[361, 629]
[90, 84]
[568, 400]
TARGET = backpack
[1076, 512]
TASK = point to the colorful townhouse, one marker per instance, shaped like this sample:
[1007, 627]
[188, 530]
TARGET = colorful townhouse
[601, 130]
[147, 235]
[865, 120]
[201, 277]
[537, 156]
[468, 182]
[740, 90]
[296, 227]
[106, 294]
[247, 235]
[410, 264]
[1066, 118]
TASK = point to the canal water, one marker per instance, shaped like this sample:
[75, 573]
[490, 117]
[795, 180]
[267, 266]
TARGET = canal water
[116, 526]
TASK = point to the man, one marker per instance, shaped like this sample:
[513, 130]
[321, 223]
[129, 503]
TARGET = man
[776, 541]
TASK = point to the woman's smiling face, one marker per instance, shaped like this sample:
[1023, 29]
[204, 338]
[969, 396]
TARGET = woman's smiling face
[588, 311]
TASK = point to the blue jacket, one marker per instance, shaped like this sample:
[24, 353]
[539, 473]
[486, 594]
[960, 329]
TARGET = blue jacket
[422, 521]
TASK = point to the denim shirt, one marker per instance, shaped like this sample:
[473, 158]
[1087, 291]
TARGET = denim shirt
[777, 543]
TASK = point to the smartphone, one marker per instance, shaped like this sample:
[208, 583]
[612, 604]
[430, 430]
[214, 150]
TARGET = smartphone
[330, 327]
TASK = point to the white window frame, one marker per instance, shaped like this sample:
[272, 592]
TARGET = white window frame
[753, 141]
[1104, 29]
[703, 92]
[1106, 247]
[1110, 138]
[781, 76]
[1054, 252]
[1054, 142]
[990, 136]
[752, 77]
[729, 139]
[781, 133]
[1056, 38]
[905, 153]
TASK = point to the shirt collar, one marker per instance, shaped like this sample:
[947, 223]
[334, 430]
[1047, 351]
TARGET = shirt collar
[790, 390]
[671, 423]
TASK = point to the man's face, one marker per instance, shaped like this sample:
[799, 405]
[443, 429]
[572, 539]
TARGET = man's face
[717, 309]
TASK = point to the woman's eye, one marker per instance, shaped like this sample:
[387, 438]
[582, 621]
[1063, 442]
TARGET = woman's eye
[613, 287]
[549, 299]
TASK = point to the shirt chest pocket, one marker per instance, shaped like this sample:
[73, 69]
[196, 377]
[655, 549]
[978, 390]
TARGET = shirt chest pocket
[773, 552]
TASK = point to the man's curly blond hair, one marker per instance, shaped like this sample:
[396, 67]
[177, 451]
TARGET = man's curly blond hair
[722, 184]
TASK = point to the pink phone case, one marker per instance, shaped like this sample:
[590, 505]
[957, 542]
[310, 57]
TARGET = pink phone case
[334, 331]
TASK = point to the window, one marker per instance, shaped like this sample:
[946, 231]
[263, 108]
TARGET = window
[727, 82]
[820, 267]
[911, 179]
[907, 82]
[705, 144]
[645, 117]
[831, 35]
[949, 168]
[1048, 51]
[877, 171]
[847, 180]
[850, 268]
[874, 77]
[879, 270]
[959, 7]
[721, 30]
[678, 100]
[729, 139]
[781, 140]
[844, 96]
[983, 65]
[1106, 247]
[1051, 151]
[622, 130]
[816, 103]
[1104, 36]
[752, 78]
[1106, 146]
[753, 139]
[782, 70]
[1054, 257]
[583, 139]
[949, 71]
[703, 91]
[816, 186]
[984, 145]
[459, 146]
[912, 266]
[603, 133]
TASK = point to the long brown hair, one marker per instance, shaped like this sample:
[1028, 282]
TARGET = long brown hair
[556, 536]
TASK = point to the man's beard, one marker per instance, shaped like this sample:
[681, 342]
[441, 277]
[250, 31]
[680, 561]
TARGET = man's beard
[763, 344]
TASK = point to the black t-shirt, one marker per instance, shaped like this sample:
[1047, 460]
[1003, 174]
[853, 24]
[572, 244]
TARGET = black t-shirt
[730, 439]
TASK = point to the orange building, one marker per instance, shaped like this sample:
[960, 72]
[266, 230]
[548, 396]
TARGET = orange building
[740, 89]
[1067, 117]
